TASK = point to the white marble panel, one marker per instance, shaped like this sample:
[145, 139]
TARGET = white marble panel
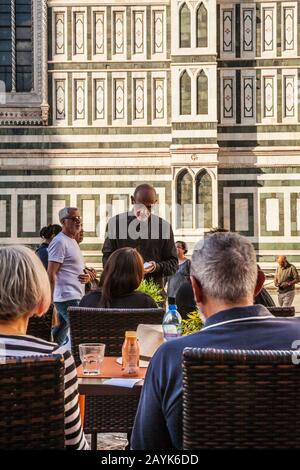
[79, 25]
[59, 19]
[158, 32]
[99, 32]
[241, 215]
[272, 215]
[29, 215]
[139, 40]
[88, 209]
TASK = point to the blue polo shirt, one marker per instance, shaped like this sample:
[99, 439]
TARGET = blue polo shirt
[158, 423]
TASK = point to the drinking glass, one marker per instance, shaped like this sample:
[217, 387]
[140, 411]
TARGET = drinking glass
[91, 356]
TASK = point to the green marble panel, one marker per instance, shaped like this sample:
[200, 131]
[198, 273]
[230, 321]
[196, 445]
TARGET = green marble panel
[258, 95]
[7, 199]
[278, 27]
[70, 101]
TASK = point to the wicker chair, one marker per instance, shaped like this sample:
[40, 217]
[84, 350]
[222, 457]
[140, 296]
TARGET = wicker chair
[282, 311]
[108, 326]
[32, 403]
[240, 399]
[40, 327]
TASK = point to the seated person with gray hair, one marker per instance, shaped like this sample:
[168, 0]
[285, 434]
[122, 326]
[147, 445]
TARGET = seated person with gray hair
[24, 292]
[225, 279]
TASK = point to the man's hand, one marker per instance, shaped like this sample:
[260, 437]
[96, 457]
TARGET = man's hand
[84, 278]
[92, 273]
[285, 284]
[151, 268]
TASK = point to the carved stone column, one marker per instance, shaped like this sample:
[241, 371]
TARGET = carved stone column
[45, 106]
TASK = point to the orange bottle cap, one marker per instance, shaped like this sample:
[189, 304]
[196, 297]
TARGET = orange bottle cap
[130, 334]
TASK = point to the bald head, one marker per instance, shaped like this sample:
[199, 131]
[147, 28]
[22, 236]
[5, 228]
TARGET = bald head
[143, 200]
[145, 193]
[281, 260]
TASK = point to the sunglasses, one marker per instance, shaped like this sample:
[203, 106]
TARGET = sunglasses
[74, 219]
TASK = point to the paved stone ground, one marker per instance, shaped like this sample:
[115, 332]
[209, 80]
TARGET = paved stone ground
[118, 441]
[111, 441]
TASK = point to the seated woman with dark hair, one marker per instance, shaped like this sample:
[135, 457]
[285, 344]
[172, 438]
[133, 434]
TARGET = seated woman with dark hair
[122, 275]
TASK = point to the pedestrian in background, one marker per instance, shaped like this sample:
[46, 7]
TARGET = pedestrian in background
[47, 234]
[286, 277]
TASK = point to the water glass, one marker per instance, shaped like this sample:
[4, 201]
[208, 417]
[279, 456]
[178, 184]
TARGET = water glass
[91, 356]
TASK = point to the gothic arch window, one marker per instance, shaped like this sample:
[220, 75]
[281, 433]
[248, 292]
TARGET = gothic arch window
[184, 26]
[203, 200]
[201, 26]
[202, 93]
[23, 62]
[16, 45]
[185, 94]
[184, 200]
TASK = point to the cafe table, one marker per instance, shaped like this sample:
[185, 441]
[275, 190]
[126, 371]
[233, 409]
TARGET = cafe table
[92, 386]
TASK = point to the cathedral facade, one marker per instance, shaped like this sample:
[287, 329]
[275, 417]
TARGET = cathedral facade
[198, 97]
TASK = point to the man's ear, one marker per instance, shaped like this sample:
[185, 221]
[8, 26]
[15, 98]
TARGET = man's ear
[259, 282]
[198, 292]
[132, 200]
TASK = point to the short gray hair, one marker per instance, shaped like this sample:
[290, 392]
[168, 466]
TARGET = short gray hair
[225, 266]
[65, 212]
[24, 282]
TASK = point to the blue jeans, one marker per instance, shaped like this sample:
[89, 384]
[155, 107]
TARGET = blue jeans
[60, 332]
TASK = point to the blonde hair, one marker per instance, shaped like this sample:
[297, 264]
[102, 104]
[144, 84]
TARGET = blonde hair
[24, 282]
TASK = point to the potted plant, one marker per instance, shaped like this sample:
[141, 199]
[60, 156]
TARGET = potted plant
[192, 324]
[151, 288]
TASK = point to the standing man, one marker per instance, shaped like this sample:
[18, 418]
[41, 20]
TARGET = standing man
[150, 235]
[66, 270]
[286, 277]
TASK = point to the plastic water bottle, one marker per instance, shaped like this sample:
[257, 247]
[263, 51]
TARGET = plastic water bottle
[171, 325]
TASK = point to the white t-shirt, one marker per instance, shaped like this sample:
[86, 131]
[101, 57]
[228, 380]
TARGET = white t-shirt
[65, 250]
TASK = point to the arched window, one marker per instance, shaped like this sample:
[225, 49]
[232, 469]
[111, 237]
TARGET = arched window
[23, 62]
[203, 200]
[201, 26]
[184, 26]
[184, 200]
[16, 46]
[185, 94]
[202, 93]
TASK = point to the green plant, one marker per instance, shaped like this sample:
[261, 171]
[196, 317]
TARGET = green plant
[192, 324]
[151, 288]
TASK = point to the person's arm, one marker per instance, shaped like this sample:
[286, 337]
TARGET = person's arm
[150, 429]
[110, 242]
[53, 268]
[168, 265]
[295, 276]
[276, 279]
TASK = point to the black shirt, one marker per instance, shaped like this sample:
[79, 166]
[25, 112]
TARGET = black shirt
[153, 239]
[131, 300]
